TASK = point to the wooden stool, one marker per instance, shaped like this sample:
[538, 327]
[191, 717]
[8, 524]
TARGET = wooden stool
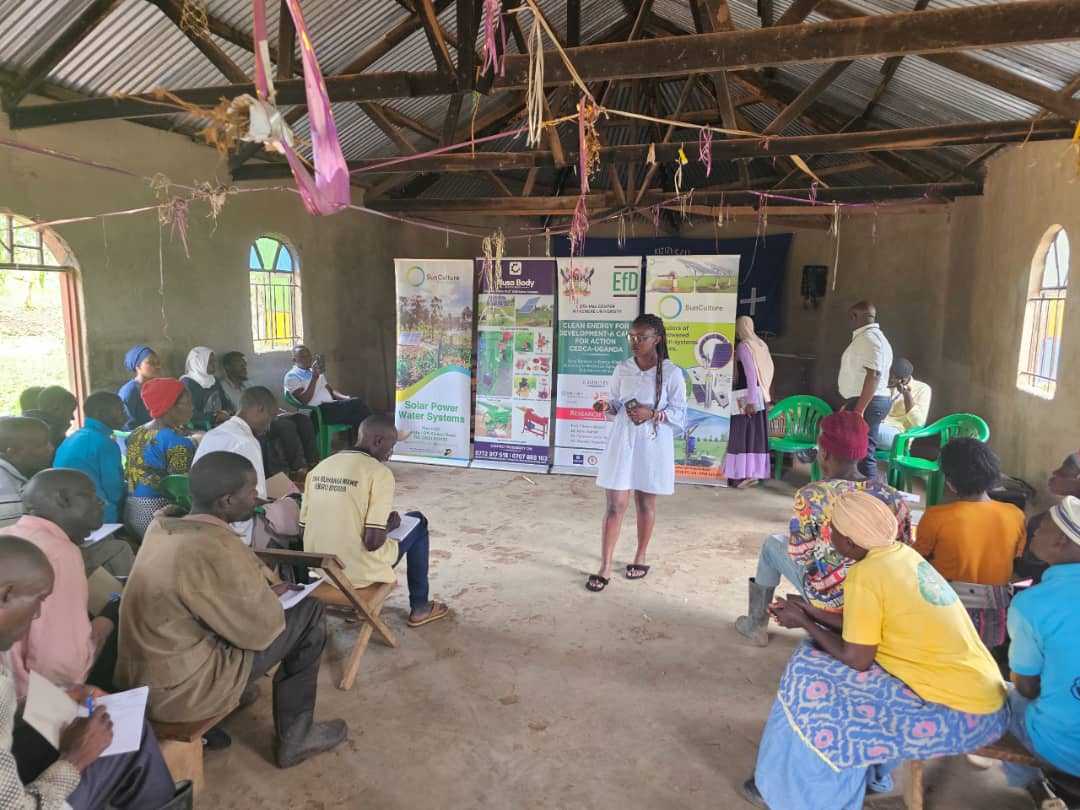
[1007, 749]
[182, 747]
[367, 602]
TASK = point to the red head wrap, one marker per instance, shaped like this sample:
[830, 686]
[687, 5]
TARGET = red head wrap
[844, 435]
[160, 394]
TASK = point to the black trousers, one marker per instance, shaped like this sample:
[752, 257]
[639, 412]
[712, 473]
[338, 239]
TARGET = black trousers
[875, 414]
[299, 649]
[293, 443]
[351, 411]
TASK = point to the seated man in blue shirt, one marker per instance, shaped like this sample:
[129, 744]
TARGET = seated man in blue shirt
[1045, 658]
[93, 450]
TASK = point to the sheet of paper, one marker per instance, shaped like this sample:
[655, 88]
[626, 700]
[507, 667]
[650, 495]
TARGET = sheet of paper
[102, 588]
[98, 535]
[48, 709]
[408, 523]
[278, 486]
[916, 516]
[911, 497]
[292, 598]
[127, 710]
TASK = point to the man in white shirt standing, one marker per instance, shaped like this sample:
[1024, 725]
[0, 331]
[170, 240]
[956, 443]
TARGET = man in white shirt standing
[305, 383]
[239, 435]
[864, 376]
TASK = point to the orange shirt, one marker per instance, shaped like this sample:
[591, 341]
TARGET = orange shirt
[972, 541]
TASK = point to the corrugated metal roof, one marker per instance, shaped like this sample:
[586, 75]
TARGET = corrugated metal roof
[137, 47]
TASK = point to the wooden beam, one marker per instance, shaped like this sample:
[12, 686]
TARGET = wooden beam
[453, 112]
[798, 11]
[497, 181]
[508, 107]
[616, 185]
[807, 97]
[564, 205]
[530, 182]
[715, 15]
[286, 47]
[407, 122]
[375, 113]
[36, 72]
[882, 35]
[866, 141]
[981, 71]
[430, 20]
[468, 22]
[573, 23]
[390, 39]
[174, 10]
[352, 87]
[639, 22]
[688, 87]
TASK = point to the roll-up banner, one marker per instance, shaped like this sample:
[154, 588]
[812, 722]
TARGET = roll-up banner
[598, 298]
[515, 327]
[434, 354]
[696, 296]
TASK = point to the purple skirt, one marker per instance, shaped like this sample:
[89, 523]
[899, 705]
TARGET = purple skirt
[748, 447]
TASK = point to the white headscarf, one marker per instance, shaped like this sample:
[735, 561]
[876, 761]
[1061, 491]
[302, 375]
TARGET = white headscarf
[1067, 517]
[763, 362]
[195, 367]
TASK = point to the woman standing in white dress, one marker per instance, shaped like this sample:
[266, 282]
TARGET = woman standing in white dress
[647, 397]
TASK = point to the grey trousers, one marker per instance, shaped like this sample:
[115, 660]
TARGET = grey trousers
[113, 554]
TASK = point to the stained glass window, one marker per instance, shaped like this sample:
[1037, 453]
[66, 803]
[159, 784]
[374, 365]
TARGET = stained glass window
[1040, 350]
[276, 322]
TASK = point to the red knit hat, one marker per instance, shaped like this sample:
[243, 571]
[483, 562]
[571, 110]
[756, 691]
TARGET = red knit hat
[160, 394]
[843, 434]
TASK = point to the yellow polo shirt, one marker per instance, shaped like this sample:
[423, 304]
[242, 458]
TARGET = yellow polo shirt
[896, 600]
[343, 495]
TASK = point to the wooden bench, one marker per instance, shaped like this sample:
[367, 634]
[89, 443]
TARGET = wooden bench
[182, 747]
[1007, 749]
[366, 602]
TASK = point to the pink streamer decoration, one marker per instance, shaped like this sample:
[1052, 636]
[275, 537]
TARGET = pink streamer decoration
[813, 191]
[705, 149]
[493, 24]
[328, 192]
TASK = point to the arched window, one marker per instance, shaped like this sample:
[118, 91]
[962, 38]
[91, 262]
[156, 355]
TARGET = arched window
[274, 279]
[1040, 347]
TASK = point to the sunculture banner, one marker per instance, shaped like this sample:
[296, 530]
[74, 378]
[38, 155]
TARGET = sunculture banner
[598, 298]
[515, 323]
[696, 296]
[434, 353]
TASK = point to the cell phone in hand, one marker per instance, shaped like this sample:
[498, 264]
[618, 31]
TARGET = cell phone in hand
[320, 360]
[631, 403]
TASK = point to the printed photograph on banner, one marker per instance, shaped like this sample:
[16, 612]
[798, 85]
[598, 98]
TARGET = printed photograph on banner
[696, 297]
[598, 299]
[434, 354]
[514, 364]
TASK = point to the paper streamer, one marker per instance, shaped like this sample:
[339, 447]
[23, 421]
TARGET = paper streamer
[328, 192]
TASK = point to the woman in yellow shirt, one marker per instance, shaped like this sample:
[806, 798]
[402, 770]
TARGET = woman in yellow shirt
[900, 675]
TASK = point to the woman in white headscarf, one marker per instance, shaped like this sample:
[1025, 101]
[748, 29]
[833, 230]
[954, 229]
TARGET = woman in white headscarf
[747, 458]
[207, 396]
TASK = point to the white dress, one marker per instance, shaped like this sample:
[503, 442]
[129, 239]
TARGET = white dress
[642, 457]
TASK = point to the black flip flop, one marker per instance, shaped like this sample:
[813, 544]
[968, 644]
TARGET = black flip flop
[644, 569]
[596, 583]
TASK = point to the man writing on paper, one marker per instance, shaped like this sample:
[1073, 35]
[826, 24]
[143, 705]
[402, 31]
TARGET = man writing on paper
[347, 512]
[200, 623]
[61, 508]
[78, 778]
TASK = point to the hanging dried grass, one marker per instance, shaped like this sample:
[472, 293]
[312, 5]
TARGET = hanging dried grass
[193, 18]
[491, 269]
[229, 120]
[588, 140]
[705, 149]
[534, 100]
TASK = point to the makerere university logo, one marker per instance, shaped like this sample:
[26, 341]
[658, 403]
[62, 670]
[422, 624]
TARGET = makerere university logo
[415, 276]
[669, 307]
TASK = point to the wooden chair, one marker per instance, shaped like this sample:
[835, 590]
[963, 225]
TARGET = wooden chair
[367, 602]
[182, 747]
[1007, 749]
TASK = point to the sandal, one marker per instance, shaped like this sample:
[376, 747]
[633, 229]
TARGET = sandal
[438, 611]
[596, 583]
[633, 568]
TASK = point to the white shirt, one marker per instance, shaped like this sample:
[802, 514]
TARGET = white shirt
[300, 378]
[11, 486]
[869, 349]
[235, 436]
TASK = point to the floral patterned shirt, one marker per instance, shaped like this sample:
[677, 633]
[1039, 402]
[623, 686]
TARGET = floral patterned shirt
[152, 454]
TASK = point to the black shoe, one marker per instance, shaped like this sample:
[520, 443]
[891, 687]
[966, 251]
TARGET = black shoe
[216, 739]
[182, 800]
[304, 739]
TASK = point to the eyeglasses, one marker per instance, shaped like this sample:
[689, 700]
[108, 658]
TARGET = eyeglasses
[638, 338]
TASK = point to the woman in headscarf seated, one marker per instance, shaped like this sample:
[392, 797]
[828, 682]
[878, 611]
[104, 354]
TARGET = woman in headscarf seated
[900, 675]
[208, 400]
[155, 450]
[143, 362]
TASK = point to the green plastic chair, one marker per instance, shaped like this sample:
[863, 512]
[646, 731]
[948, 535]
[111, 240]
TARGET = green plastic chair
[323, 430]
[903, 466]
[177, 490]
[121, 437]
[802, 415]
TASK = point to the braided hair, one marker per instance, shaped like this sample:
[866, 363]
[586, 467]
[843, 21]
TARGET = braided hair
[657, 325]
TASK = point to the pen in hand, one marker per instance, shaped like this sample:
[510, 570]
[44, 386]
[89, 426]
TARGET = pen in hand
[90, 705]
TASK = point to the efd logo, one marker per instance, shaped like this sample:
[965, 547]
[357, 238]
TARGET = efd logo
[415, 276]
[669, 307]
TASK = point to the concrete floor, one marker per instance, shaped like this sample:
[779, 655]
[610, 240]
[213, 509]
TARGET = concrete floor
[538, 694]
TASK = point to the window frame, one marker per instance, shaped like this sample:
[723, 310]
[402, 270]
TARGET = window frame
[1044, 315]
[262, 289]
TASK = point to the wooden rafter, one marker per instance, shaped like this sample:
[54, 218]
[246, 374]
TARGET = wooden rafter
[862, 142]
[404, 121]
[798, 11]
[377, 114]
[468, 21]
[286, 43]
[72, 35]
[450, 121]
[688, 87]
[807, 97]
[573, 23]
[174, 10]
[430, 21]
